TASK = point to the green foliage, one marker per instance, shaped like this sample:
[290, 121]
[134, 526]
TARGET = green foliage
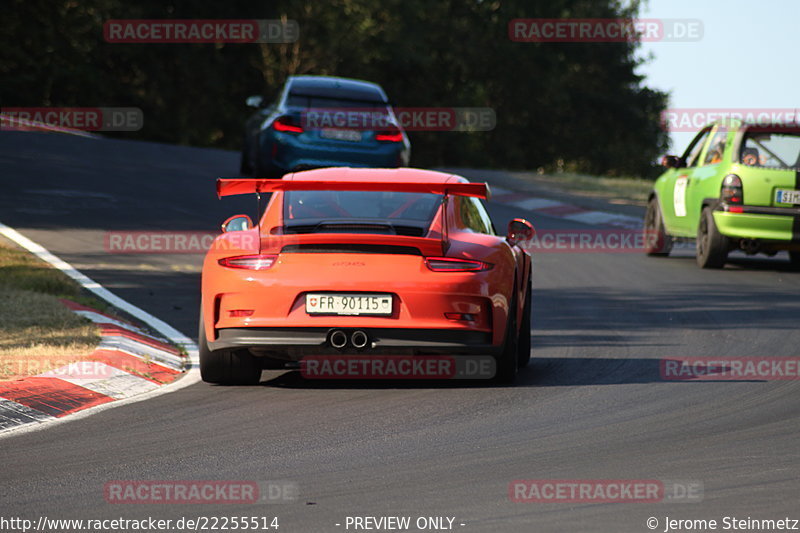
[573, 106]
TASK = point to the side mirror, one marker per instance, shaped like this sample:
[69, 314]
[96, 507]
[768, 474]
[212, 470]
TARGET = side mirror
[254, 101]
[237, 223]
[519, 230]
[671, 161]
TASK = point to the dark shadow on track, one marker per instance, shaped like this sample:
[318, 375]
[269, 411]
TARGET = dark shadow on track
[582, 371]
[739, 262]
[578, 339]
[586, 310]
[779, 263]
[294, 380]
[543, 372]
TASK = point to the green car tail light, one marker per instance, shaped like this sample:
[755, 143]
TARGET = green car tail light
[732, 191]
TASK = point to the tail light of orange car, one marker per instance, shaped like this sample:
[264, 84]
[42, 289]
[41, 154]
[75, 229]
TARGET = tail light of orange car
[450, 264]
[287, 124]
[393, 135]
[249, 262]
[732, 191]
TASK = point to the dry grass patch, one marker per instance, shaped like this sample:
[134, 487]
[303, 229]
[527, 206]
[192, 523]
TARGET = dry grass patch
[37, 333]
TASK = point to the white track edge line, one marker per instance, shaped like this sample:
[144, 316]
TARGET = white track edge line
[87, 283]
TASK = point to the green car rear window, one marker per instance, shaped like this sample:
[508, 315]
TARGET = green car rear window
[776, 150]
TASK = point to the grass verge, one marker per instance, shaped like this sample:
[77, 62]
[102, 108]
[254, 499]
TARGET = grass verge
[633, 191]
[37, 333]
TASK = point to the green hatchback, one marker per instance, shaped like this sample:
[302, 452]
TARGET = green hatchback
[736, 187]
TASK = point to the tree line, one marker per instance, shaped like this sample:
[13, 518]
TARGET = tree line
[574, 106]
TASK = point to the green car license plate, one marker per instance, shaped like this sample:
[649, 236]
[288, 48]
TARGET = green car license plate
[783, 196]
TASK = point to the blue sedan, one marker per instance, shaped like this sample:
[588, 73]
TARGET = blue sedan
[322, 121]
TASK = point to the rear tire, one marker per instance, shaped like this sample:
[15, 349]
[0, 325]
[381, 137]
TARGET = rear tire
[712, 246]
[225, 367]
[524, 342]
[657, 242]
[507, 362]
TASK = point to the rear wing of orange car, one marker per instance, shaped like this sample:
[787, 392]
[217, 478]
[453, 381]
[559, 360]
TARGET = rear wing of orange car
[233, 186]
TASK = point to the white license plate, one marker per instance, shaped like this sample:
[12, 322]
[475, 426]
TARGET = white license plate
[341, 135]
[348, 304]
[783, 196]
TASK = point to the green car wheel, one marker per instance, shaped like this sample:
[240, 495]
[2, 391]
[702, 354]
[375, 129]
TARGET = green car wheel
[712, 246]
[657, 241]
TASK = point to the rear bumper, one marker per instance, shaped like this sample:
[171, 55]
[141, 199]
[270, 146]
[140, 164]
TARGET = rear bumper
[293, 344]
[757, 222]
[291, 153]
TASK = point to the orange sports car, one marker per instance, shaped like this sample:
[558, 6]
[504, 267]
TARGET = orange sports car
[348, 262]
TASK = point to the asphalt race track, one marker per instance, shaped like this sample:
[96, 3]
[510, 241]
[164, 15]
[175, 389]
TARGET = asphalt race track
[590, 406]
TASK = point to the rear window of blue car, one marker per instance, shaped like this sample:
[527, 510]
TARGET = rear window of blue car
[778, 150]
[398, 213]
[321, 102]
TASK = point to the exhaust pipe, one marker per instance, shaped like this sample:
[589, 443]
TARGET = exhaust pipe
[359, 339]
[338, 339]
[750, 246]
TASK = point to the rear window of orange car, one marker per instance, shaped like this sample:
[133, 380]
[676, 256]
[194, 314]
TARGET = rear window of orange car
[359, 212]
